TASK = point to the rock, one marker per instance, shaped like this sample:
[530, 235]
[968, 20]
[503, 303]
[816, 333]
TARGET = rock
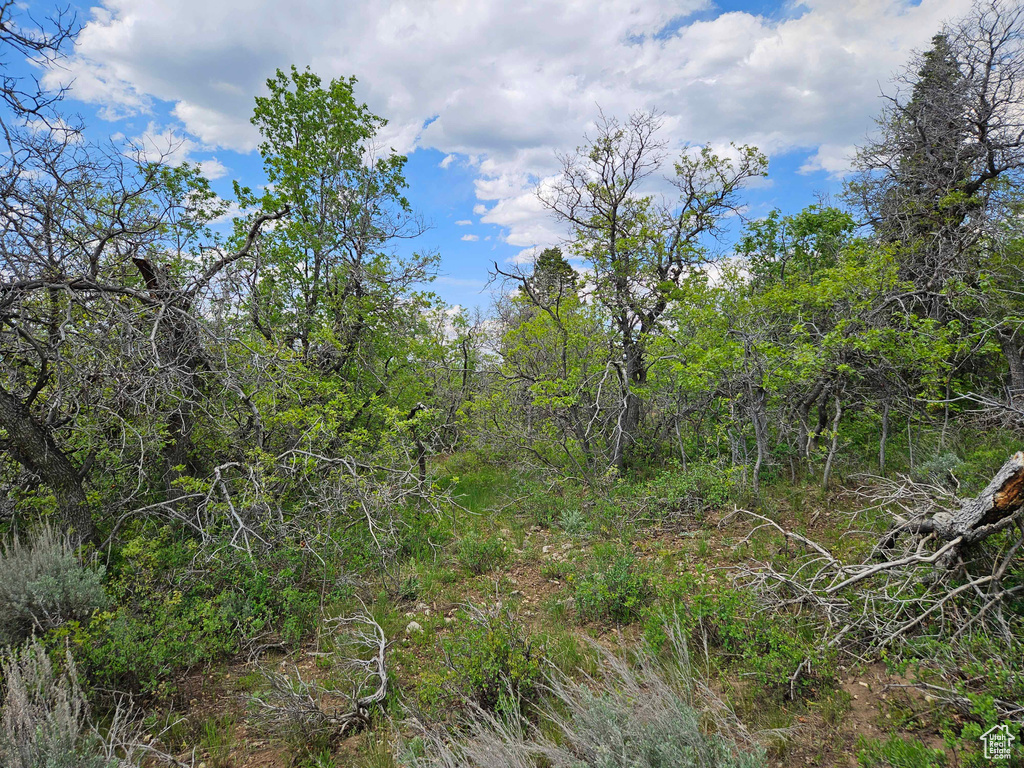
[413, 627]
[546, 549]
[421, 606]
[449, 619]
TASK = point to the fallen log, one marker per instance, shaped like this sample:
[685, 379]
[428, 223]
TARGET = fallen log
[997, 507]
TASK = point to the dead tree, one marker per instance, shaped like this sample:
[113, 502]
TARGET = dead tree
[997, 507]
[934, 572]
[294, 703]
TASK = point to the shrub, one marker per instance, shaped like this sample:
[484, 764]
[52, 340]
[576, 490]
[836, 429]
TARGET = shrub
[768, 647]
[44, 717]
[615, 588]
[494, 662]
[572, 520]
[178, 606]
[939, 471]
[897, 753]
[646, 716]
[481, 554]
[43, 584]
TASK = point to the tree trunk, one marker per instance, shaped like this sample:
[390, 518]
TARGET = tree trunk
[992, 510]
[32, 446]
[884, 438]
[1013, 359]
[759, 417]
[833, 445]
[803, 410]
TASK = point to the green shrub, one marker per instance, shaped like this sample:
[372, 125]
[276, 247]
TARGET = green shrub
[481, 554]
[43, 584]
[178, 606]
[614, 587]
[939, 471]
[768, 648]
[690, 492]
[572, 520]
[897, 753]
[494, 661]
[649, 716]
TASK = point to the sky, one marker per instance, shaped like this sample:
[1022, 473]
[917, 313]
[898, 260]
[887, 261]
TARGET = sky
[482, 94]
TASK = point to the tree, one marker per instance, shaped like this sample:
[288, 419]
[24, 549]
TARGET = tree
[331, 261]
[941, 179]
[556, 404]
[109, 268]
[640, 249]
[949, 138]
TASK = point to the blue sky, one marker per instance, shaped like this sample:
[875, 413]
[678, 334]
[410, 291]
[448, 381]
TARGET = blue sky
[481, 94]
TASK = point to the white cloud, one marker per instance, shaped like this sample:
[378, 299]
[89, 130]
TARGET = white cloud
[503, 85]
[470, 238]
[213, 168]
[170, 146]
[463, 223]
[834, 160]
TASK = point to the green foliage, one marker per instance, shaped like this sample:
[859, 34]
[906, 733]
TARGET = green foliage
[939, 471]
[481, 554]
[43, 584]
[613, 587]
[175, 607]
[217, 736]
[494, 662]
[897, 753]
[768, 648]
[642, 715]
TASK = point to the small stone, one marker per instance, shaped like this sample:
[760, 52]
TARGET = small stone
[413, 626]
[546, 549]
[421, 606]
[449, 619]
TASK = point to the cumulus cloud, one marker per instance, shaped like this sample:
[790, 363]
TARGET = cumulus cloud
[470, 238]
[500, 85]
[166, 144]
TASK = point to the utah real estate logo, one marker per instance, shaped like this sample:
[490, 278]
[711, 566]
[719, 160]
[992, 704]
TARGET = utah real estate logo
[997, 742]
